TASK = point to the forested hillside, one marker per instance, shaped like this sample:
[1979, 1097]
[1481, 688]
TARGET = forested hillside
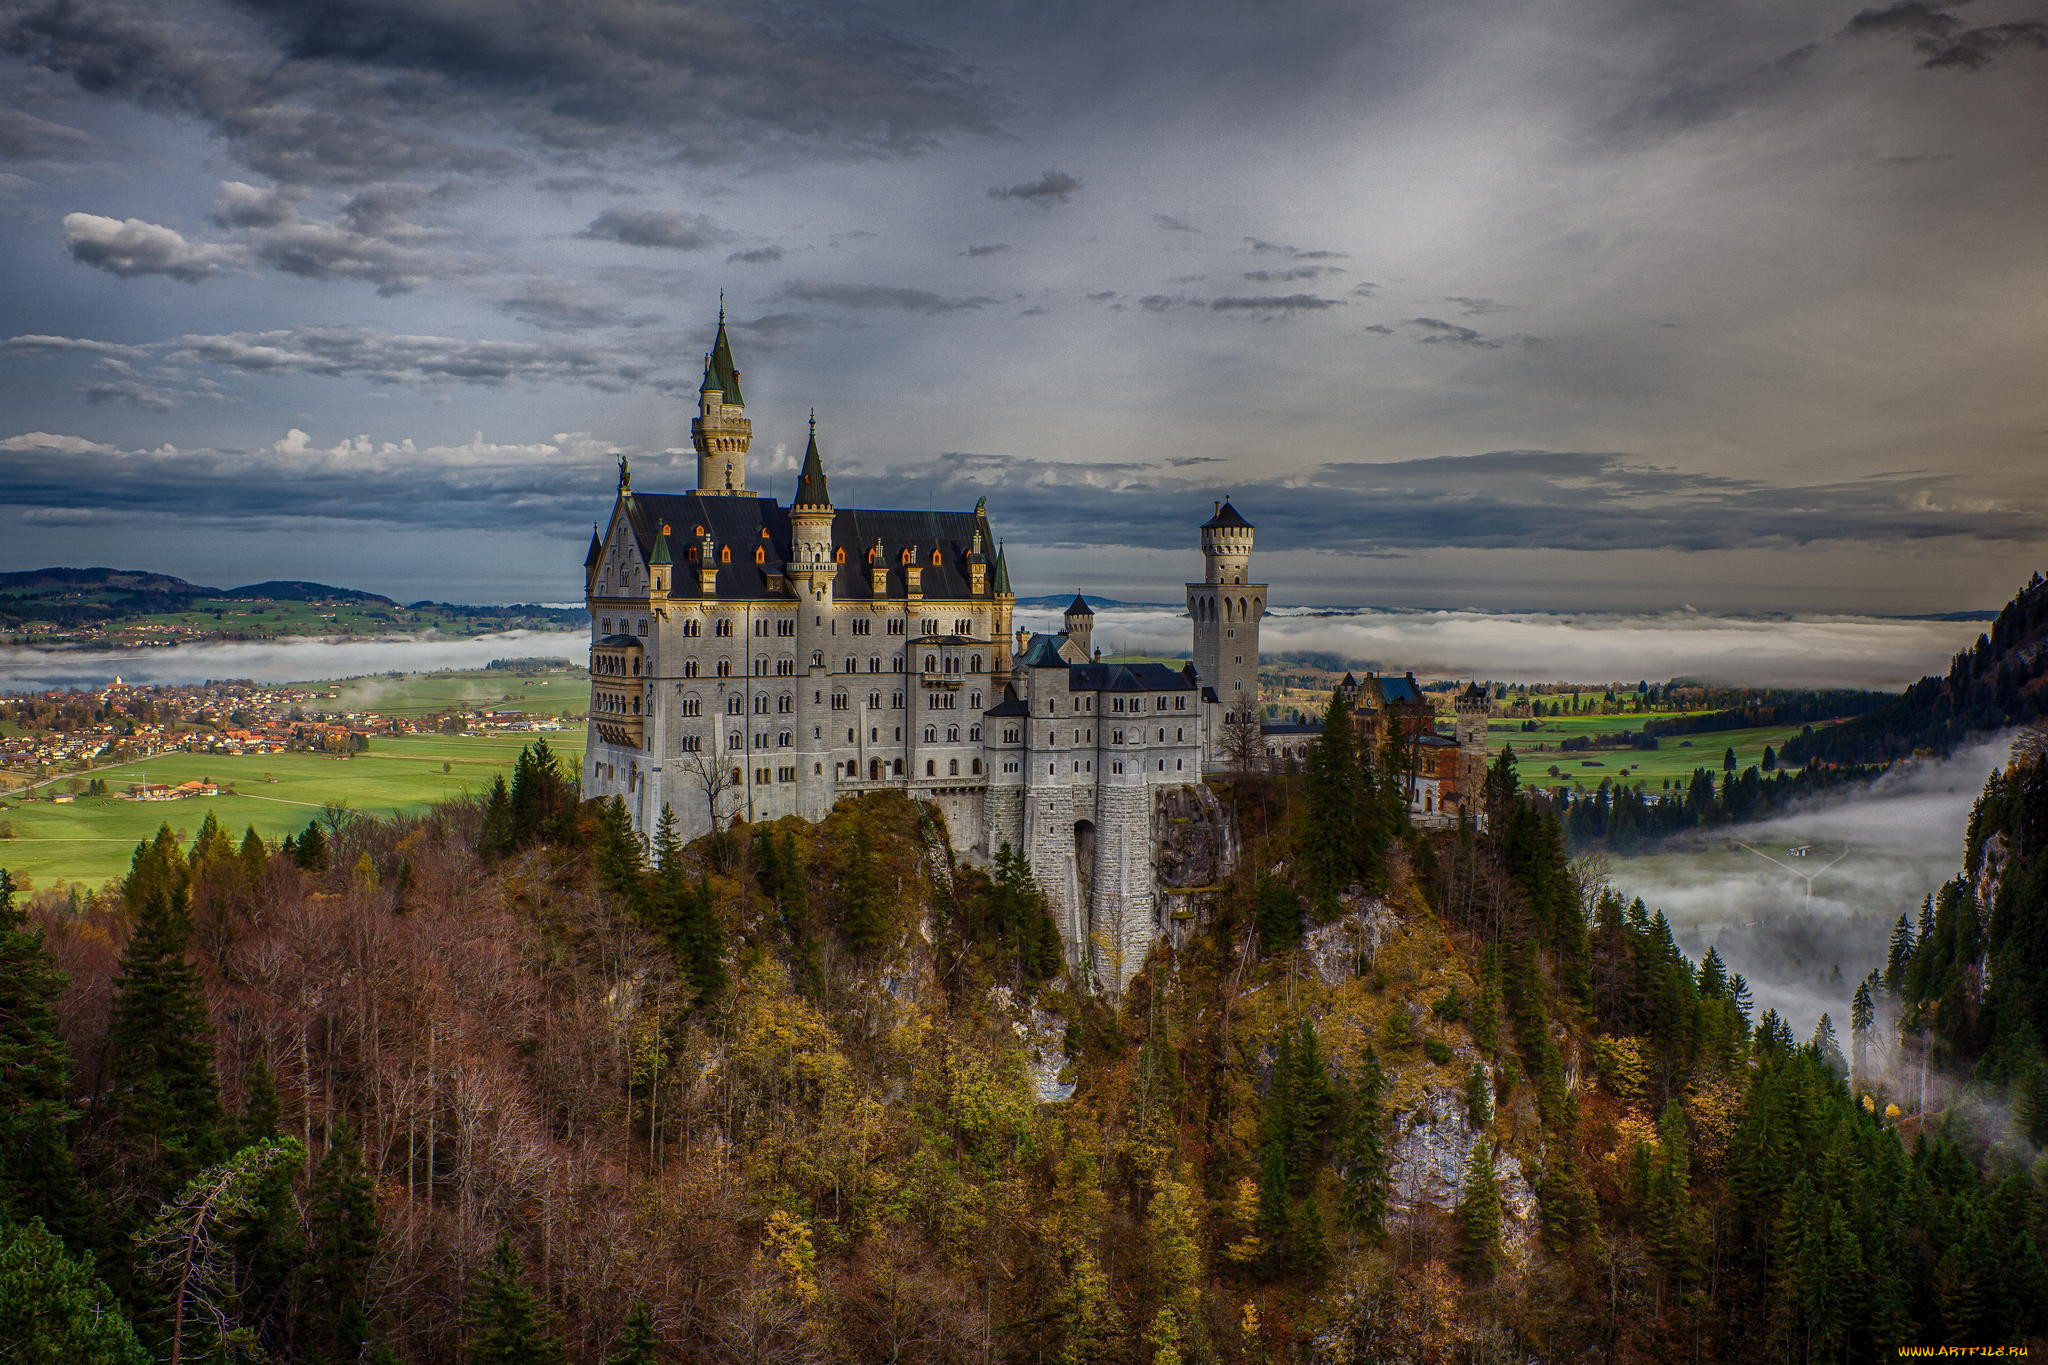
[2000, 682]
[486, 1085]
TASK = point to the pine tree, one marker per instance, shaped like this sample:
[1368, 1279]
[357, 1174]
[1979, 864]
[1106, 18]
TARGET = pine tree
[312, 849]
[1277, 913]
[162, 1093]
[37, 1178]
[1329, 853]
[158, 868]
[1363, 1150]
[254, 856]
[860, 903]
[615, 851]
[506, 1323]
[1479, 1096]
[53, 1309]
[494, 838]
[342, 1219]
[636, 1343]
[1899, 955]
[1479, 1213]
[690, 913]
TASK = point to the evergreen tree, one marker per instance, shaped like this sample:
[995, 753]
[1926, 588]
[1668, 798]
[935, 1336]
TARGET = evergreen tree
[615, 850]
[1329, 852]
[37, 1178]
[494, 839]
[1021, 918]
[1363, 1149]
[162, 1094]
[158, 868]
[1479, 1096]
[1479, 1213]
[1899, 955]
[861, 916]
[254, 856]
[53, 1309]
[636, 1343]
[1276, 911]
[506, 1323]
[342, 1219]
[689, 911]
[312, 849]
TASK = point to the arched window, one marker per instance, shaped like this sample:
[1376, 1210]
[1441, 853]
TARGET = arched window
[931, 769]
[952, 734]
[952, 767]
[931, 734]
[691, 554]
[974, 664]
[974, 734]
[689, 668]
[977, 767]
[817, 658]
[931, 663]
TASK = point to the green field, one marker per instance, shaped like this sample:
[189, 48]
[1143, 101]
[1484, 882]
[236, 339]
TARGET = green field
[90, 840]
[1672, 759]
[565, 693]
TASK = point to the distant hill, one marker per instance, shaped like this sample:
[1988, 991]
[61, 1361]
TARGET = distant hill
[125, 580]
[298, 590]
[1999, 682]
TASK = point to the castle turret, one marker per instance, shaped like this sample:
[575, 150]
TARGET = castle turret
[1081, 625]
[1226, 611]
[812, 569]
[721, 432]
[659, 564]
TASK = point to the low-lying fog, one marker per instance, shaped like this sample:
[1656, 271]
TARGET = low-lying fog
[1872, 856]
[1792, 651]
[277, 661]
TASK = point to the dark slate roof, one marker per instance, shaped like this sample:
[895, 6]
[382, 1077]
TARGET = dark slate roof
[1226, 517]
[810, 483]
[1010, 705]
[1043, 652]
[1436, 741]
[1477, 693]
[1100, 677]
[1400, 691]
[739, 522]
[621, 641]
[596, 548]
[1079, 606]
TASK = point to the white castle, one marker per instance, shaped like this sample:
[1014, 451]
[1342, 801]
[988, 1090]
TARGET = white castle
[753, 660]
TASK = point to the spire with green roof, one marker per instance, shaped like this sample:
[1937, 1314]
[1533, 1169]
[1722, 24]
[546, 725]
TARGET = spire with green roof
[719, 371]
[1002, 573]
[661, 555]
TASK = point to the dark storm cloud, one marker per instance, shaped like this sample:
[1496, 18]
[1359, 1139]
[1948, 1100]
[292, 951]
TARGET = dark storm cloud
[559, 303]
[1054, 187]
[1556, 500]
[1261, 247]
[1974, 49]
[883, 296]
[245, 206]
[656, 228]
[24, 137]
[1292, 273]
[138, 394]
[1943, 39]
[337, 91]
[760, 255]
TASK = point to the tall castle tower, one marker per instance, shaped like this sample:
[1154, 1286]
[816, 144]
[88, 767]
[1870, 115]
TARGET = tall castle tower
[720, 431]
[812, 568]
[1226, 611]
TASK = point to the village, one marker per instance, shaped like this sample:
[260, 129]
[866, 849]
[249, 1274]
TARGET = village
[51, 741]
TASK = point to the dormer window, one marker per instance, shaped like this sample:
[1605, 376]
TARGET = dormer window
[725, 554]
[839, 556]
[760, 554]
[935, 557]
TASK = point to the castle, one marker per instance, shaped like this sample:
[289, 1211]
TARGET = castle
[753, 660]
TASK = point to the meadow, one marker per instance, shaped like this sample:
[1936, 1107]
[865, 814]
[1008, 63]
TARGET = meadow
[563, 693]
[90, 839]
[1675, 757]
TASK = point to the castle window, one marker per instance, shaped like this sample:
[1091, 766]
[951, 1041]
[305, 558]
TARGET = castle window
[874, 663]
[852, 664]
[723, 628]
[974, 701]
[1180, 734]
[895, 661]
[689, 668]
[725, 554]
[1180, 703]
[904, 558]
[724, 669]
[817, 658]
[931, 663]
[935, 557]
[734, 705]
[931, 769]
[974, 664]
[761, 628]
[735, 741]
[760, 554]
[838, 701]
[1116, 737]
[931, 734]
[1010, 737]
[874, 701]
[977, 767]
[693, 744]
[761, 667]
[861, 625]
[785, 628]
[952, 764]
[607, 628]
[693, 706]
[839, 556]
[785, 703]
[952, 734]
[636, 706]
[784, 740]
[896, 628]
[761, 705]
[692, 629]
[1176, 765]
[899, 766]
[690, 554]
[974, 734]
[785, 668]
[896, 703]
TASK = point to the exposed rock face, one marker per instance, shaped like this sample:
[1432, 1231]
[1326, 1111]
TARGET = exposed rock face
[1195, 849]
[1346, 945]
[1431, 1148]
[1045, 1042]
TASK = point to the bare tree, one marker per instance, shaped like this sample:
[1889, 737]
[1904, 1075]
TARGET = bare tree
[189, 1248]
[1244, 740]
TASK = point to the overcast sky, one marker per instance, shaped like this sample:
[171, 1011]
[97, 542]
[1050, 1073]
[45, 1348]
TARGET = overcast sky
[1624, 304]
